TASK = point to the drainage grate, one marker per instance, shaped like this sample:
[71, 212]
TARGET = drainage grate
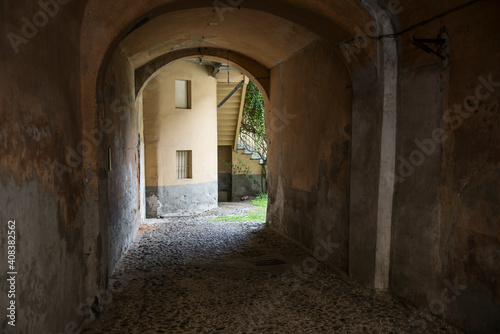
[272, 262]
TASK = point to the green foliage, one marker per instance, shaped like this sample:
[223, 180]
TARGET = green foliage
[253, 126]
[256, 214]
[260, 201]
[253, 122]
[241, 168]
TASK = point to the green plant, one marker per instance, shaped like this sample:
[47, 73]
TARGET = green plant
[253, 126]
[256, 214]
[241, 168]
[260, 201]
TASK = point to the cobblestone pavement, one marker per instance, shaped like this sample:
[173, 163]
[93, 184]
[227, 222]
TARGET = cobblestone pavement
[189, 275]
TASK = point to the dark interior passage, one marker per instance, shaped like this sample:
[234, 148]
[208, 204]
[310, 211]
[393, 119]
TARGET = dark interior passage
[382, 128]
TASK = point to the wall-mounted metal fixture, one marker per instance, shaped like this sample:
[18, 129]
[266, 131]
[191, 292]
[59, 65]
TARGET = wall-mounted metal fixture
[421, 43]
[216, 70]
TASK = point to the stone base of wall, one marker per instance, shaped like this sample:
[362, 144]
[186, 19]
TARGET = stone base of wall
[244, 186]
[225, 180]
[181, 199]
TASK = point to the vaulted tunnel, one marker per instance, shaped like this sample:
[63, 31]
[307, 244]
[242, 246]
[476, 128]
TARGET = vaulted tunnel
[287, 56]
[376, 146]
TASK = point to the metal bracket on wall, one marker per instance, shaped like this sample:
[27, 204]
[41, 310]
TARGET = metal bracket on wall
[216, 70]
[421, 43]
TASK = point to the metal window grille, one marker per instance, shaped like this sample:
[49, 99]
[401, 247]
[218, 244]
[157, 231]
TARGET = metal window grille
[184, 165]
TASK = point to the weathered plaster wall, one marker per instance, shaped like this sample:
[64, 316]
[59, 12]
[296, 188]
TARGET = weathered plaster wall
[309, 126]
[120, 190]
[42, 279]
[140, 117]
[446, 236]
[168, 130]
[416, 220]
[365, 170]
[39, 122]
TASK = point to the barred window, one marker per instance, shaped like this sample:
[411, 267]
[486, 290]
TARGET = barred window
[184, 165]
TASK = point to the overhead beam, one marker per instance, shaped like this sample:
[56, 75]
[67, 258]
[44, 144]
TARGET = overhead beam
[216, 71]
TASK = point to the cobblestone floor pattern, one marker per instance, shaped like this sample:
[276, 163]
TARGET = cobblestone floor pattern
[189, 275]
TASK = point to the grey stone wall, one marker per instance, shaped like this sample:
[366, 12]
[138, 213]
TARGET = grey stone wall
[181, 199]
[244, 186]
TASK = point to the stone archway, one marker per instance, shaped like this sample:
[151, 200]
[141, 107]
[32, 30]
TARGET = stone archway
[380, 58]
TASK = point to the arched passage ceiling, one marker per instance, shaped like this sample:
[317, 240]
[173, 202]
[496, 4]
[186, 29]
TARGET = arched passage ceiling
[105, 23]
[266, 38]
